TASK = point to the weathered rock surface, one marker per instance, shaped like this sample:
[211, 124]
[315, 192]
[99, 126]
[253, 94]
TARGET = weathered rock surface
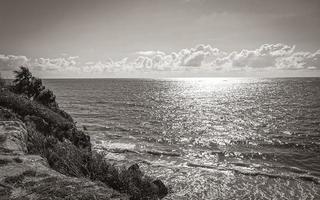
[45, 119]
[66, 167]
[13, 137]
[24, 176]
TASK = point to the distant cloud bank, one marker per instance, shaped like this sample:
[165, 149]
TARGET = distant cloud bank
[202, 57]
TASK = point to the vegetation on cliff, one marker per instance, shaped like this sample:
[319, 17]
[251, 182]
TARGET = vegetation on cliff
[53, 135]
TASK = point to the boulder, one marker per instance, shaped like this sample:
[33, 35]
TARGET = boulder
[25, 176]
[13, 137]
[162, 189]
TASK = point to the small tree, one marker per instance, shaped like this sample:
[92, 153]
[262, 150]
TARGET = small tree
[36, 87]
[2, 82]
[22, 81]
[26, 83]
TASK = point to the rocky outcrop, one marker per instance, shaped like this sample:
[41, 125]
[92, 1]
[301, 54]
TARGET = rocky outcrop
[24, 176]
[13, 137]
[44, 156]
[46, 120]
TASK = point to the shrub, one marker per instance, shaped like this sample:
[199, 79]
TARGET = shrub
[47, 98]
[26, 83]
[2, 82]
[67, 159]
[36, 86]
[22, 81]
[67, 149]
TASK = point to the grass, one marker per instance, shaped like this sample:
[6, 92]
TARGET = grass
[68, 150]
[23, 106]
[58, 126]
[67, 159]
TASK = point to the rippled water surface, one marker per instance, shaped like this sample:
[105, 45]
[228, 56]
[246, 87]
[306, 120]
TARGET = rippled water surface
[207, 138]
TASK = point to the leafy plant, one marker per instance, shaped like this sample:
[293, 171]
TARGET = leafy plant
[22, 81]
[2, 82]
[47, 98]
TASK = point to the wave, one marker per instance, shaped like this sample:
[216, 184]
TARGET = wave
[254, 172]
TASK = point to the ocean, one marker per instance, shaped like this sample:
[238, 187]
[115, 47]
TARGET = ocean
[206, 138]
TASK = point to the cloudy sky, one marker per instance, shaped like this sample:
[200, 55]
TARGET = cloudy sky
[160, 38]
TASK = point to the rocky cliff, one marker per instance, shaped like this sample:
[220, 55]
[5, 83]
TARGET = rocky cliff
[44, 156]
[26, 176]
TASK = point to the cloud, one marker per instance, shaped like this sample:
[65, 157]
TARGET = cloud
[10, 62]
[265, 56]
[201, 58]
[195, 59]
[54, 64]
[150, 53]
[300, 60]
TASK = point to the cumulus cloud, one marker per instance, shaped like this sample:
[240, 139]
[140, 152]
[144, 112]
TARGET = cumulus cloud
[265, 56]
[201, 57]
[274, 56]
[300, 60]
[52, 64]
[195, 59]
[10, 62]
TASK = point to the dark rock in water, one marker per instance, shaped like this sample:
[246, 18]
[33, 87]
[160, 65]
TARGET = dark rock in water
[135, 171]
[156, 187]
[134, 167]
[162, 189]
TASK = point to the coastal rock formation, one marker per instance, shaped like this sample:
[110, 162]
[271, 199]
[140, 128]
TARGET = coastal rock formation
[44, 156]
[24, 176]
[13, 137]
[46, 120]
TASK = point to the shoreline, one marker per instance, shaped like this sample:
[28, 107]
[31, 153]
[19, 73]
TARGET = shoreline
[50, 143]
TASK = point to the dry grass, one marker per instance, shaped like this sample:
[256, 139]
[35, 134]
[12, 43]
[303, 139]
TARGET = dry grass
[68, 150]
[67, 159]
[57, 125]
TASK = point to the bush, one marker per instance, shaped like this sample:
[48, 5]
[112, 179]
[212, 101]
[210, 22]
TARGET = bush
[47, 98]
[67, 159]
[67, 149]
[2, 82]
[36, 86]
[25, 83]
[22, 81]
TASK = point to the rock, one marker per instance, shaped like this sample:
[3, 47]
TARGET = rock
[13, 137]
[66, 154]
[80, 139]
[134, 167]
[38, 123]
[33, 179]
[135, 171]
[24, 176]
[7, 115]
[162, 189]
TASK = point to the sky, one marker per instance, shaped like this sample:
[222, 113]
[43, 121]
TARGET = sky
[160, 38]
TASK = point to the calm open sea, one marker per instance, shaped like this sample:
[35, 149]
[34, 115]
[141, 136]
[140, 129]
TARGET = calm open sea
[210, 138]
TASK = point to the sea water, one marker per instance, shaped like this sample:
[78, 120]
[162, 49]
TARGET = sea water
[206, 138]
